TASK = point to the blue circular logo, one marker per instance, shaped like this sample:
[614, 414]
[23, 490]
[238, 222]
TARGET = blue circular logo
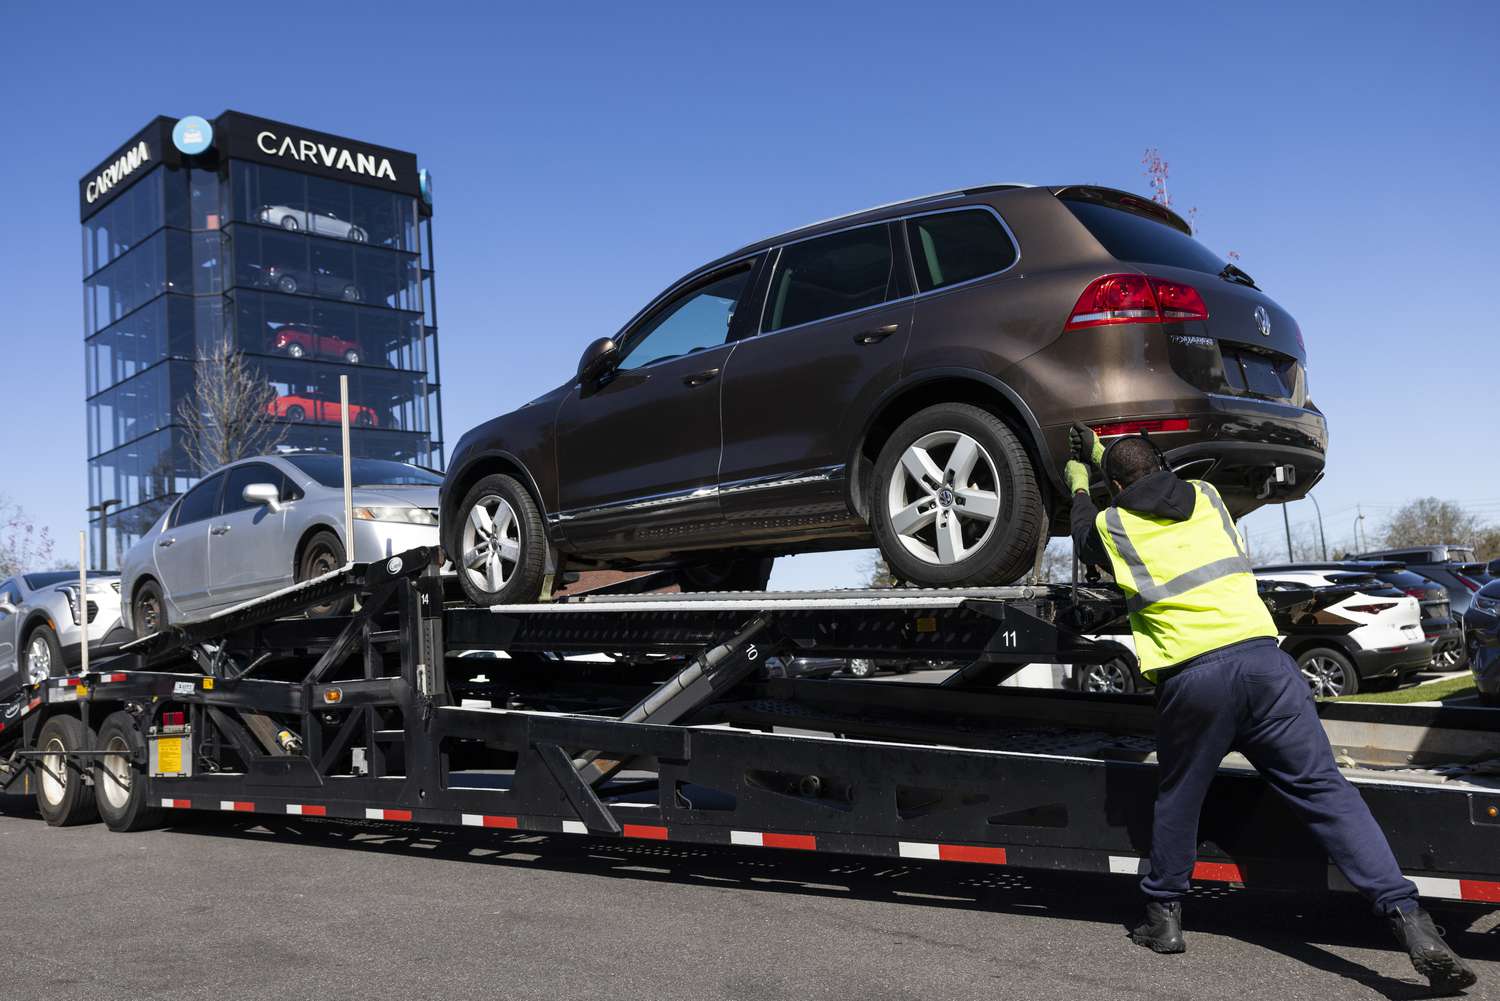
[192, 135]
[424, 183]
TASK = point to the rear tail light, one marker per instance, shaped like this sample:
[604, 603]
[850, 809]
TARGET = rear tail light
[173, 719]
[1135, 299]
[1472, 585]
[1136, 427]
[1373, 609]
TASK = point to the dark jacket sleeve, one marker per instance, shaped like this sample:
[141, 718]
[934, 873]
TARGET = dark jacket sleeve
[1087, 545]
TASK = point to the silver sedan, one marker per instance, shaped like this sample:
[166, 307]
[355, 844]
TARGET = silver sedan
[261, 524]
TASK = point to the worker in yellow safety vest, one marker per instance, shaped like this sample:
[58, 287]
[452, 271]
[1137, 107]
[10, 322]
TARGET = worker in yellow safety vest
[1206, 642]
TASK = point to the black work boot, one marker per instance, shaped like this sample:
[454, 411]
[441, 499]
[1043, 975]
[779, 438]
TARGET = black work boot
[1442, 967]
[1162, 929]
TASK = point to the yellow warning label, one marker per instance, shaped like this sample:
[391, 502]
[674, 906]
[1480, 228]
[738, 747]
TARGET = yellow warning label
[82, 690]
[208, 683]
[169, 755]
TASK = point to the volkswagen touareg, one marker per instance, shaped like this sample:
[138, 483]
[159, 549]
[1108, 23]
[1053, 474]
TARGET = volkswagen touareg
[903, 376]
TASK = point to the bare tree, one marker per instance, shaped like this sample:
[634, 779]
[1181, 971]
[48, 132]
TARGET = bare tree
[23, 546]
[228, 415]
[1428, 521]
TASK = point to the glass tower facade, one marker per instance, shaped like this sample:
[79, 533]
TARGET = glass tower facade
[260, 240]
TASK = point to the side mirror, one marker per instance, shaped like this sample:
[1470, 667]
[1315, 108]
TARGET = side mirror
[6, 608]
[267, 494]
[598, 358]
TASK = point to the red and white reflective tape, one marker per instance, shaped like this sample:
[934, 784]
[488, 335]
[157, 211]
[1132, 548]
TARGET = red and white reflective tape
[1210, 872]
[177, 804]
[485, 820]
[1477, 891]
[574, 827]
[306, 810]
[236, 806]
[648, 831]
[952, 853]
[33, 704]
[105, 679]
[68, 682]
[377, 814]
[770, 839]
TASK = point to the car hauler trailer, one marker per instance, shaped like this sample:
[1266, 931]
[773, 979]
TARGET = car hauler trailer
[655, 717]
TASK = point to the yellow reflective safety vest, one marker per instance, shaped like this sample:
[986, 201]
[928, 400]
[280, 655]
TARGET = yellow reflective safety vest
[1188, 584]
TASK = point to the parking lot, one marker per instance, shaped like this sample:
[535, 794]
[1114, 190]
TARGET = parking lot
[353, 910]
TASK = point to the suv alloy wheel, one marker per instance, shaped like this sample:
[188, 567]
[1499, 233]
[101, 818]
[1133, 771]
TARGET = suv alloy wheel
[955, 500]
[501, 546]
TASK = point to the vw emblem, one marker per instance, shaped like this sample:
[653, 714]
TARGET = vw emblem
[945, 497]
[393, 565]
[1263, 321]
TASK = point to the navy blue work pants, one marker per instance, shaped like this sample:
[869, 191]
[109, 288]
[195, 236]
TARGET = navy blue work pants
[1251, 698]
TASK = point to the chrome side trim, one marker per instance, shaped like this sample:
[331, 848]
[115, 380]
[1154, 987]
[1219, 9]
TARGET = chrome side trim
[655, 501]
[823, 474]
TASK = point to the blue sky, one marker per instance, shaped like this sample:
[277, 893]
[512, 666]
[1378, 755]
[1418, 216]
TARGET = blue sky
[584, 159]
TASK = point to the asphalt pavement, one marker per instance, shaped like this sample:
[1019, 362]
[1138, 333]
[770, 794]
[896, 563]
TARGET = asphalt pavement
[220, 908]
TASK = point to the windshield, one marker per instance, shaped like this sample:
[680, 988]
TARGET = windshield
[329, 471]
[36, 580]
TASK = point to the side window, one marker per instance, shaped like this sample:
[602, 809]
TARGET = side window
[241, 477]
[695, 320]
[200, 502]
[955, 247]
[829, 275]
[289, 489]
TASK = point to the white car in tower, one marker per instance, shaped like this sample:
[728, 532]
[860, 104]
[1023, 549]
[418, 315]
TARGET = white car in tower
[320, 223]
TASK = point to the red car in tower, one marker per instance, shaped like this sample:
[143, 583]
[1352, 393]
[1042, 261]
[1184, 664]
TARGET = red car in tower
[299, 342]
[310, 408]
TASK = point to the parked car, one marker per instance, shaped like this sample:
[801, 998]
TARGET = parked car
[309, 408]
[1450, 565]
[42, 627]
[1439, 623]
[261, 524]
[1482, 622]
[299, 342]
[1444, 552]
[317, 281]
[1371, 636]
[322, 223]
[776, 401]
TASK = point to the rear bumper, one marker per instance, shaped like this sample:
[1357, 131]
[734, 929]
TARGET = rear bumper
[1234, 443]
[1393, 660]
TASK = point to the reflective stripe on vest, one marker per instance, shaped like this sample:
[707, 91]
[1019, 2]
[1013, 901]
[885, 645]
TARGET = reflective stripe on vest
[1148, 592]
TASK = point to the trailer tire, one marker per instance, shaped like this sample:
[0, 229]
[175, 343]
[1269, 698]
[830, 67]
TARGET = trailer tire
[120, 791]
[62, 796]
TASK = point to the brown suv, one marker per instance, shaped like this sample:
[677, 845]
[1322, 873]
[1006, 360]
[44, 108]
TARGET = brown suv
[904, 376]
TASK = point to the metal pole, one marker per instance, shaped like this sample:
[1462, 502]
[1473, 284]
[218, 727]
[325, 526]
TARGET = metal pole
[83, 600]
[348, 481]
[1322, 539]
[1288, 524]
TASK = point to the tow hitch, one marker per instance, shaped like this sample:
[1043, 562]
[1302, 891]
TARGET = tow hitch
[1279, 479]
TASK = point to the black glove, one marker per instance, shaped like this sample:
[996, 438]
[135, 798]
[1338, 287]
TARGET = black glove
[1084, 444]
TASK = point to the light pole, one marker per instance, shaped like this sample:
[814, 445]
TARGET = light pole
[1322, 539]
[1287, 524]
[103, 509]
[1357, 519]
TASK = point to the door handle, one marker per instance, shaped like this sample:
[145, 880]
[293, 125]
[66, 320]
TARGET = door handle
[699, 378]
[219, 530]
[876, 334]
[164, 543]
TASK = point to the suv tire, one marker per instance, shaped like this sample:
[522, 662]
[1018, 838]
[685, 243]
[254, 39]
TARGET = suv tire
[1328, 672]
[511, 521]
[918, 506]
[42, 653]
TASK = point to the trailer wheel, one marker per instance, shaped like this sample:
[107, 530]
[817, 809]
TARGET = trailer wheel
[120, 777]
[62, 796]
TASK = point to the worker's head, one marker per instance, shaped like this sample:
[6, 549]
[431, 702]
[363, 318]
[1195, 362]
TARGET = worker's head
[1129, 459]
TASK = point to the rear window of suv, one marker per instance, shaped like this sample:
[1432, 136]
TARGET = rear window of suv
[1135, 238]
[953, 247]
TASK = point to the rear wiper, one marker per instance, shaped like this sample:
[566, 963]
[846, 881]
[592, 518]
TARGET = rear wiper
[1237, 275]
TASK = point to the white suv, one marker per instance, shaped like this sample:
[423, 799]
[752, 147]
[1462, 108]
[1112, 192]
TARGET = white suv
[1369, 637]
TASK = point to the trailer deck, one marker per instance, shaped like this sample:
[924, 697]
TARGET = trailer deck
[655, 717]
